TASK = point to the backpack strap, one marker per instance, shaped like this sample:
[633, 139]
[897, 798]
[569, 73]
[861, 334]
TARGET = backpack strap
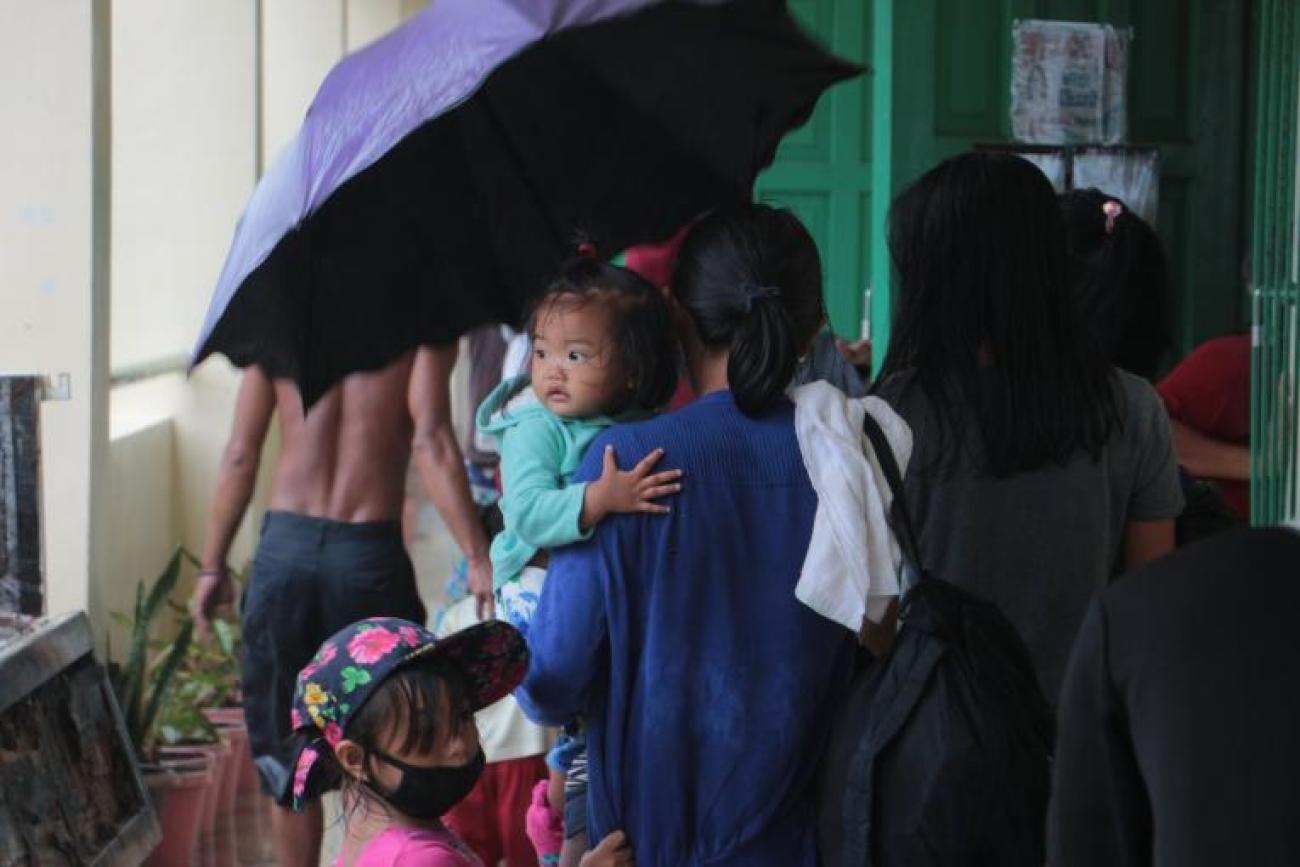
[899, 516]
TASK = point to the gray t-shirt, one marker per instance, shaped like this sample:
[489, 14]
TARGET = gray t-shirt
[1039, 544]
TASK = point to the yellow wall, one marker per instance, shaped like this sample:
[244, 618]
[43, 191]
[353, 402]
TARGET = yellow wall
[197, 411]
[184, 163]
[366, 20]
[201, 170]
[53, 164]
[140, 518]
[139, 140]
[301, 40]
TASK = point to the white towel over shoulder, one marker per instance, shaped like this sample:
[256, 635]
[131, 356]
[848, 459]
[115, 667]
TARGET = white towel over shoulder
[853, 560]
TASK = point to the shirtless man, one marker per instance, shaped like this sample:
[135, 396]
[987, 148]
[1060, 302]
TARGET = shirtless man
[331, 549]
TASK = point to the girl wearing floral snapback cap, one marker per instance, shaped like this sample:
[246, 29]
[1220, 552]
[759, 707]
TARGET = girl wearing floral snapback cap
[386, 711]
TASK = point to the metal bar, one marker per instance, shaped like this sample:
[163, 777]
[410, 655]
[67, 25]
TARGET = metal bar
[1259, 303]
[1284, 207]
[1291, 479]
[149, 369]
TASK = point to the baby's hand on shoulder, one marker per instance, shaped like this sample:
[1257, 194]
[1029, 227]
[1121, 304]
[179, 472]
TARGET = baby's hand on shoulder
[613, 851]
[632, 491]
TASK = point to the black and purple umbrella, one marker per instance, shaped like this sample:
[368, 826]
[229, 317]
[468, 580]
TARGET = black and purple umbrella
[442, 171]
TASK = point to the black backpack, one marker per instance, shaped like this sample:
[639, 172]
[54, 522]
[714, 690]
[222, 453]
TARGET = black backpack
[941, 753]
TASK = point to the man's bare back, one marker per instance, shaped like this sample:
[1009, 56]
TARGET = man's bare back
[342, 468]
[346, 460]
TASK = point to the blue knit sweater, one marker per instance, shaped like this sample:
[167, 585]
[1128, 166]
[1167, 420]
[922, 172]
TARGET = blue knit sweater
[707, 688]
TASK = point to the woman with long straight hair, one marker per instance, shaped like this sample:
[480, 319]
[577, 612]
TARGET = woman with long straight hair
[706, 686]
[1039, 470]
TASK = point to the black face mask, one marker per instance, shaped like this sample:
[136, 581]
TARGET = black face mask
[427, 793]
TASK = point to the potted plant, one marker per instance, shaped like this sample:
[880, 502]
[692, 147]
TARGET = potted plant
[208, 683]
[141, 685]
[184, 732]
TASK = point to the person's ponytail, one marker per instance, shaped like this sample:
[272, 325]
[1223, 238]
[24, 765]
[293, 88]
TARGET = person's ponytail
[751, 281]
[763, 353]
[1120, 280]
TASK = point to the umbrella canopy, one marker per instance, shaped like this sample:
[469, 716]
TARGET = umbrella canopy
[441, 172]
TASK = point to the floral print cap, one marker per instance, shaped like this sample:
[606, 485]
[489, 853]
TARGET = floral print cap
[353, 662]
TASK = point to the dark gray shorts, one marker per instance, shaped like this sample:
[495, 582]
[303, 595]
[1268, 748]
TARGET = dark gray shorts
[311, 577]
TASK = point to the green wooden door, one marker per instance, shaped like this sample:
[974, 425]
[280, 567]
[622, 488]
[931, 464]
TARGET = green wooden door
[1275, 270]
[951, 90]
[823, 170]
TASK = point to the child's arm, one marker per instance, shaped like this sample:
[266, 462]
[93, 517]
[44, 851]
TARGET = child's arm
[613, 851]
[536, 505]
[631, 491]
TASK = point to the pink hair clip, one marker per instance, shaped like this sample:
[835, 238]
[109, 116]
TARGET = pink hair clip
[1111, 209]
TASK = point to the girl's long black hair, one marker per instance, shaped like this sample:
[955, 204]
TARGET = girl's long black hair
[1121, 280]
[751, 280]
[986, 323]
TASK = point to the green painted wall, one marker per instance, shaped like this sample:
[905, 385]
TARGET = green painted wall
[823, 171]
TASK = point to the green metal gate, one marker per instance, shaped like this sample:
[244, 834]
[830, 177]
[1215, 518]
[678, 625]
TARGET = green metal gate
[1275, 270]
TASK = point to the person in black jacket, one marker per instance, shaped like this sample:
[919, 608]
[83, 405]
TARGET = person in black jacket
[1179, 729]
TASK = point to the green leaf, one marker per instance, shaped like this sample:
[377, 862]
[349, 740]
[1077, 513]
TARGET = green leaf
[225, 636]
[132, 679]
[163, 679]
[142, 685]
[163, 588]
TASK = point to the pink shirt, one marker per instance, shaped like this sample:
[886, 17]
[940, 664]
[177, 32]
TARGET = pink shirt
[415, 847]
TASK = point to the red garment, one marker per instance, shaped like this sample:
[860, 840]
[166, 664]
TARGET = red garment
[1209, 391]
[683, 395]
[655, 262]
[491, 818]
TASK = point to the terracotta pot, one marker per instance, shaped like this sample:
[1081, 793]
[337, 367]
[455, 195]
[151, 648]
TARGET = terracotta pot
[220, 756]
[178, 791]
[250, 817]
[224, 715]
[184, 760]
[225, 833]
[252, 825]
